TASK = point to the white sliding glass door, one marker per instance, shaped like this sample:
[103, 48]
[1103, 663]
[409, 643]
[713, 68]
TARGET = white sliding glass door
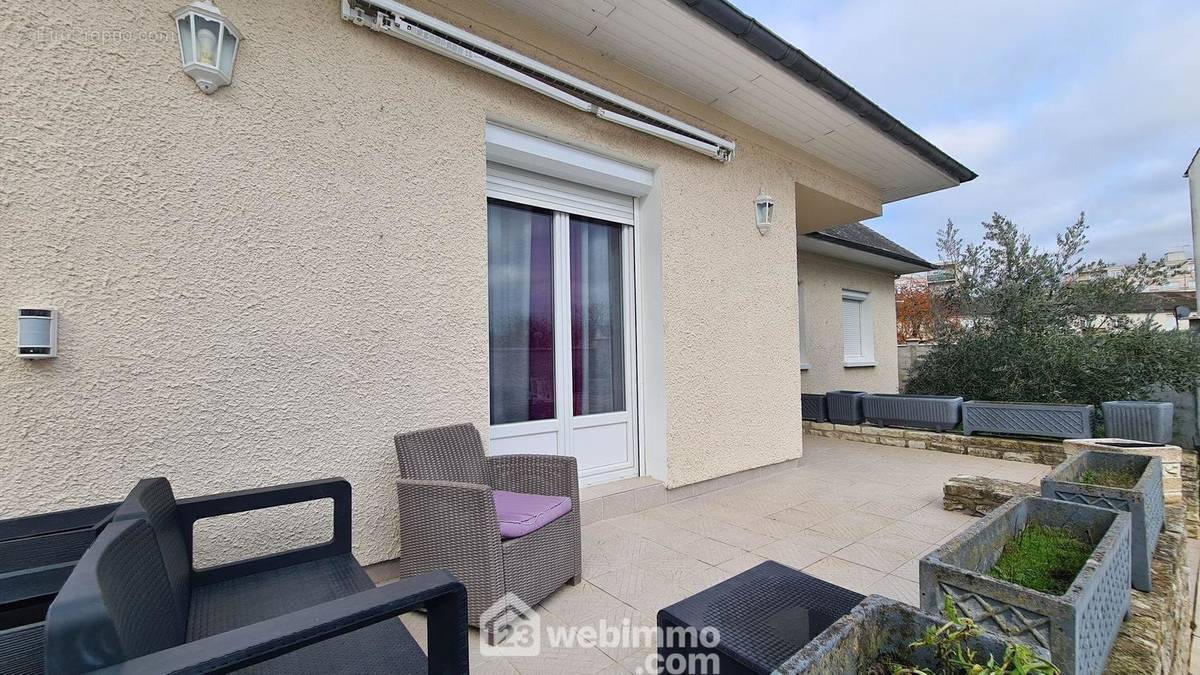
[560, 292]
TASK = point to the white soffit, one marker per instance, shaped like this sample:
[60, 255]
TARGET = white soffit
[831, 250]
[670, 44]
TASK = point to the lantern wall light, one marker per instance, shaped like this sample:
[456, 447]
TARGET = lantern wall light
[208, 44]
[764, 213]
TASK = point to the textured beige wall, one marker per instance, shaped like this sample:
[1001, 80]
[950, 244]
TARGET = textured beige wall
[264, 285]
[824, 279]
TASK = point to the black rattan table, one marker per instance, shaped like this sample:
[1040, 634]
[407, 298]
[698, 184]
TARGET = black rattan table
[763, 616]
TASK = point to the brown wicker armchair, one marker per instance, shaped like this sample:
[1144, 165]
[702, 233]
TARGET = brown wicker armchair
[448, 519]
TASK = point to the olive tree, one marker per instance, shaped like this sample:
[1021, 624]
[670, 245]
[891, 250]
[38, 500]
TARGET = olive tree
[1019, 323]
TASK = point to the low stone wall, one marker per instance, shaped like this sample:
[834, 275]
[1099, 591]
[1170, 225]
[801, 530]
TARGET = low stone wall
[1014, 449]
[978, 495]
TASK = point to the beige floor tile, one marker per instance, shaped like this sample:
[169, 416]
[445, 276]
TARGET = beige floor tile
[918, 531]
[852, 525]
[575, 604]
[910, 570]
[934, 515]
[633, 548]
[820, 541]
[671, 536]
[708, 551]
[909, 548]
[844, 573]
[740, 537]
[893, 507]
[869, 556]
[776, 529]
[644, 590]
[897, 588]
[742, 563]
[791, 553]
[623, 632]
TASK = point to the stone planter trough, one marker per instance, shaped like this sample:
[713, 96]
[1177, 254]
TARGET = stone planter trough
[1077, 628]
[1148, 421]
[939, 413]
[845, 407]
[1052, 420]
[813, 408]
[1143, 502]
[876, 627]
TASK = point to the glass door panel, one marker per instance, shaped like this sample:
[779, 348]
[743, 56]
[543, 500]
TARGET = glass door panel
[521, 312]
[597, 318]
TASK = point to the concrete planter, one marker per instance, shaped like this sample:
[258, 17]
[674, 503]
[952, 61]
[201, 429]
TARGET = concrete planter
[1143, 502]
[1051, 420]
[877, 626]
[1147, 421]
[845, 407]
[813, 408]
[1077, 628]
[939, 413]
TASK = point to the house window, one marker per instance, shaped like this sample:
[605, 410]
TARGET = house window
[858, 335]
[804, 364]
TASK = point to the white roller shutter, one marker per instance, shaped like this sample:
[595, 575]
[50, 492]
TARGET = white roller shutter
[852, 328]
[525, 187]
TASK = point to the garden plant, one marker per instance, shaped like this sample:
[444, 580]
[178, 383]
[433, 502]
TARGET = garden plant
[1019, 323]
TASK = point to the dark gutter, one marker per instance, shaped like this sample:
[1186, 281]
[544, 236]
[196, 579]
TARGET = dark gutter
[730, 18]
[883, 253]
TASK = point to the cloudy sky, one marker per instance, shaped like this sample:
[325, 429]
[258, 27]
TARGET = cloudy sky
[1060, 106]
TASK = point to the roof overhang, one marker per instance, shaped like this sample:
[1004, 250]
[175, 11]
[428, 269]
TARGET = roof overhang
[840, 249]
[756, 78]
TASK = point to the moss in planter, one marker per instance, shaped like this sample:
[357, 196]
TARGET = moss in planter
[1043, 558]
[1117, 478]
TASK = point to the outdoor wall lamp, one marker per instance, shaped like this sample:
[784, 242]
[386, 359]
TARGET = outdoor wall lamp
[764, 213]
[37, 332]
[208, 44]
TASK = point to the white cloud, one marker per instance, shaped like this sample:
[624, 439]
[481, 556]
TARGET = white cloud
[1061, 107]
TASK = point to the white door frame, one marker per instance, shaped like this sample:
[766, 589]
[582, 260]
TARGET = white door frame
[565, 424]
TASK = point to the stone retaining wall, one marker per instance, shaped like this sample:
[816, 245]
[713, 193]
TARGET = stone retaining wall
[1014, 449]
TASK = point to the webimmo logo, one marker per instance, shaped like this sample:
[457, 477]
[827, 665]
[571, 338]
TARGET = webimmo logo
[518, 632]
[516, 627]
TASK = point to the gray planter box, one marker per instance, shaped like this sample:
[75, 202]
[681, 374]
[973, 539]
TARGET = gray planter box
[1052, 420]
[877, 626]
[1148, 421]
[939, 413]
[1143, 502]
[812, 408]
[845, 407]
[1077, 628]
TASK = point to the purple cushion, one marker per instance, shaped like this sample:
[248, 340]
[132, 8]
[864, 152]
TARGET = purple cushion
[519, 513]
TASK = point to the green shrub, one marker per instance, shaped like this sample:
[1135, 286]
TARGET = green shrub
[1022, 324]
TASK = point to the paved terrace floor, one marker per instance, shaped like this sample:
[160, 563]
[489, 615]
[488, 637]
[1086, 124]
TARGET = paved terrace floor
[855, 514]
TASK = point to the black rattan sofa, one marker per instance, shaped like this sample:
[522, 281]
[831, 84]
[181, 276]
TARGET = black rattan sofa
[135, 604]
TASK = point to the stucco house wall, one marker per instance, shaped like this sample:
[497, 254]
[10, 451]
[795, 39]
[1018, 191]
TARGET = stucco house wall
[823, 280]
[264, 285]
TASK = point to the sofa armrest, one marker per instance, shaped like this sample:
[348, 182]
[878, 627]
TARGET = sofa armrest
[193, 509]
[434, 512]
[556, 475]
[443, 597]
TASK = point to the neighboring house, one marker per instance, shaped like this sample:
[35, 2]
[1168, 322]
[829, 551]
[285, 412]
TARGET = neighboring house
[847, 277]
[537, 217]
[1169, 310]
[1180, 277]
